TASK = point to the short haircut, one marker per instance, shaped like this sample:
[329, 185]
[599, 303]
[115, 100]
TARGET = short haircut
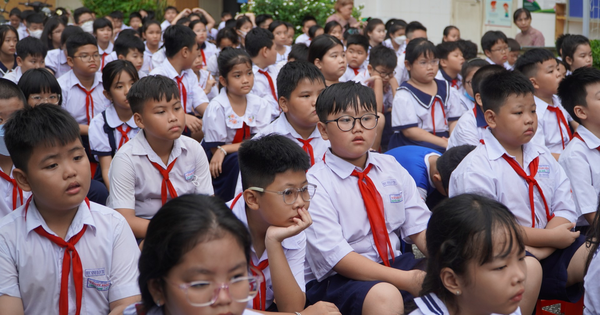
[102, 23]
[412, 27]
[419, 47]
[231, 23]
[490, 38]
[226, 13]
[292, 73]
[37, 18]
[128, 42]
[483, 73]
[184, 20]
[528, 64]
[113, 71]
[148, 23]
[307, 18]
[359, 40]
[261, 18]
[117, 14]
[51, 25]
[281, 153]
[129, 32]
[514, 45]
[559, 41]
[78, 40]
[472, 64]
[320, 46]
[176, 37]
[468, 48]
[383, 56]
[9, 89]
[299, 52]
[312, 31]
[171, 8]
[518, 12]
[79, 12]
[496, 88]
[40, 126]
[339, 97]
[39, 80]
[257, 39]
[572, 89]
[31, 46]
[448, 29]
[447, 163]
[69, 31]
[134, 15]
[446, 48]
[227, 33]
[570, 44]
[152, 87]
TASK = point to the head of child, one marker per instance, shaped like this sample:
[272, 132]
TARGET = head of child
[315, 31]
[509, 108]
[578, 96]
[280, 33]
[382, 62]
[116, 18]
[11, 100]
[130, 48]
[157, 109]
[118, 77]
[334, 29]
[264, 20]
[562, 68]
[52, 32]
[540, 66]
[442, 169]
[243, 25]
[397, 33]
[357, 47]
[180, 46]
[308, 22]
[495, 46]
[468, 48]
[225, 16]
[481, 74]
[66, 34]
[291, 32]
[451, 58]
[260, 47]
[9, 39]
[30, 54]
[39, 86]
[451, 34]
[415, 30]
[199, 28]
[227, 37]
[14, 18]
[348, 119]
[83, 16]
[421, 60]
[135, 20]
[49, 158]
[170, 13]
[196, 240]
[577, 52]
[559, 41]
[515, 49]
[522, 19]
[476, 253]
[375, 31]
[327, 53]
[235, 71]
[152, 32]
[467, 72]
[299, 52]
[82, 54]
[35, 24]
[103, 30]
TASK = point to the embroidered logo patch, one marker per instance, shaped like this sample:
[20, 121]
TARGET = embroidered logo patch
[94, 272]
[396, 198]
[389, 182]
[544, 171]
[189, 175]
[97, 284]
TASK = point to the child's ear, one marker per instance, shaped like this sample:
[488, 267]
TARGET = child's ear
[223, 81]
[534, 82]
[318, 63]
[451, 281]
[283, 104]
[21, 179]
[407, 65]
[19, 61]
[264, 51]
[323, 130]
[121, 57]
[490, 118]
[478, 99]
[487, 53]
[251, 199]
[156, 291]
[370, 69]
[70, 61]
[568, 60]
[137, 117]
[443, 63]
[580, 112]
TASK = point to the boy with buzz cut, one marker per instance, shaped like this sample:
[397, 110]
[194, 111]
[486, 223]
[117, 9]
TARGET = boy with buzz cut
[357, 48]
[30, 55]
[365, 203]
[451, 62]
[158, 164]
[495, 47]
[524, 176]
[131, 48]
[261, 48]
[58, 232]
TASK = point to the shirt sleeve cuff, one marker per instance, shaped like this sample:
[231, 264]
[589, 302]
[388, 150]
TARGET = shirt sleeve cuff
[405, 126]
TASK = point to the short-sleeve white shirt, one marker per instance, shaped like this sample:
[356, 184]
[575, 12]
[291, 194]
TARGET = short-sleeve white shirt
[57, 62]
[6, 191]
[469, 129]
[14, 76]
[262, 88]
[592, 289]
[195, 95]
[548, 125]
[99, 143]
[74, 99]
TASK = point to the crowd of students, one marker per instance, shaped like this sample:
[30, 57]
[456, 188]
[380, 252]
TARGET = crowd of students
[336, 154]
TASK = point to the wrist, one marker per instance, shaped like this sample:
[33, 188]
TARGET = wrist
[222, 150]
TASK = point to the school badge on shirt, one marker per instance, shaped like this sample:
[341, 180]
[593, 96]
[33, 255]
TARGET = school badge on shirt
[189, 175]
[396, 198]
[544, 171]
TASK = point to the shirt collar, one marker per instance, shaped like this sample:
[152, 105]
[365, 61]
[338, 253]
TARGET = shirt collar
[495, 150]
[489, 60]
[430, 304]
[425, 99]
[108, 49]
[73, 80]
[591, 141]
[343, 168]
[142, 147]
[113, 121]
[446, 76]
[284, 127]
[83, 217]
[4, 69]
[170, 70]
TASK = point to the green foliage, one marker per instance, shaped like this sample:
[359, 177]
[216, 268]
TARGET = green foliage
[595, 44]
[105, 7]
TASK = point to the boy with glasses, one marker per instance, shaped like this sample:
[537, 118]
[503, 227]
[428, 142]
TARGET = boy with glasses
[496, 49]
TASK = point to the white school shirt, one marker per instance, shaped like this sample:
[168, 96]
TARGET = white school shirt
[262, 88]
[592, 289]
[401, 50]
[57, 62]
[22, 30]
[401, 72]
[442, 75]
[340, 222]
[581, 162]
[31, 264]
[99, 144]
[132, 310]
[505, 64]
[148, 66]
[220, 122]
[469, 129]
[303, 39]
[212, 65]
[14, 75]
[74, 99]
[294, 249]
[164, 25]
[106, 51]
[548, 125]
[209, 50]
[430, 304]
[136, 184]
[204, 76]
[195, 95]
[466, 102]
[484, 172]
[110, 57]
[221, 25]
[284, 57]
[413, 108]
[158, 58]
[349, 75]
[6, 190]
[388, 95]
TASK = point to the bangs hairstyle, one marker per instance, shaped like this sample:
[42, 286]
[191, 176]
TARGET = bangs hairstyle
[44, 125]
[79, 12]
[292, 73]
[262, 18]
[359, 40]
[152, 87]
[257, 39]
[69, 31]
[15, 12]
[312, 31]
[468, 66]
[36, 18]
[339, 97]
[320, 46]
[570, 44]
[40, 80]
[384, 57]
[331, 25]
[447, 162]
[9, 89]
[177, 37]
[572, 89]
[299, 52]
[116, 15]
[465, 228]
[147, 24]
[490, 38]
[412, 27]
[78, 40]
[393, 28]
[102, 23]
[49, 27]
[276, 24]
[134, 15]
[468, 48]
[230, 57]
[371, 25]
[112, 71]
[31, 46]
[448, 29]
[446, 48]
[126, 42]
[419, 47]
[514, 45]
[227, 33]
[496, 88]
[4, 29]
[483, 73]
[529, 63]
[263, 158]
[180, 225]
[241, 21]
[518, 12]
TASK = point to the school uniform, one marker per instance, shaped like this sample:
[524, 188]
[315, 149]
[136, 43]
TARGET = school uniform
[284, 57]
[14, 76]
[401, 72]
[32, 264]
[22, 31]
[108, 133]
[469, 129]
[213, 66]
[455, 83]
[191, 94]
[341, 225]
[138, 309]
[81, 103]
[388, 95]
[136, 183]
[553, 124]
[57, 62]
[399, 52]
[303, 39]
[109, 58]
[414, 108]
[204, 76]
[505, 64]
[430, 304]
[592, 289]
[147, 66]
[104, 53]
[351, 73]
[13, 196]
[466, 100]
[158, 58]
[4, 70]
[415, 160]
[265, 86]
[207, 50]
[164, 25]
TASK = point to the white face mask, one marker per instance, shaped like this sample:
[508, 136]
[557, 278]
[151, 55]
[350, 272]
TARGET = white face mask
[88, 27]
[3, 149]
[400, 40]
[243, 34]
[35, 34]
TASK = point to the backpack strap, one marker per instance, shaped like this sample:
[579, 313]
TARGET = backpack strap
[110, 132]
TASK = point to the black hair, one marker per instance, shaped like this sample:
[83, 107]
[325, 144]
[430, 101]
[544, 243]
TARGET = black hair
[289, 25]
[528, 64]
[562, 62]
[177, 37]
[445, 49]
[483, 73]
[307, 18]
[419, 47]
[383, 56]
[113, 70]
[371, 25]
[447, 162]
[570, 44]
[42, 125]
[40, 80]
[395, 27]
[60, 13]
[25, 14]
[70, 30]
[229, 57]
[359, 40]
[124, 43]
[339, 97]
[150, 15]
[412, 27]
[470, 65]
[559, 41]
[490, 38]
[231, 23]
[496, 88]
[312, 31]
[276, 24]
[518, 13]
[240, 21]
[299, 52]
[49, 27]
[292, 73]
[16, 12]
[4, 29]
[227, 33]
[592, 238]
[225, 13]
[116, 14]
[30, 46]
[78, 40]
[514, 45]
[146, 25]
[331, 25]
[180, 225]
[152, 87]
[320, 46]
[261, 18]
[468, 48]
[37, 18]
[462, 229]
[171, 8]
[130, 33]
[9, 89]
[183, 21]
[349, 31]
[448, 29]
[572, 89]
[257, 39]
[135, 15]
[281, 153]
[102, 23]
[79, 12]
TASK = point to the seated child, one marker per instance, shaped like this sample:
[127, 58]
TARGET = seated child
[207, 49]
[9, 39]
[327, 53]
[151, 33]
[261, 49]
[170, 14]
[103, 31]
[158, 164]
[205, 80]
[243, 25]
[467, 97]
[263, 21]
[396, 37]
[39, 86]
[558, 44]
[280, 36]
[358, 192]
[357, 47]
[495, 47]
[334, 29]
[513, 54]
[547, 214]
[58, 229]
[131, 48]
[226, 37]
[30, 55]
[562, 68]
[84, 18]
[414, 30]
[468, 48]
[451, 33]
[135, 21]
[35, 25]
[314, 31]
[451, 62]
[375, 32]
[56, 59]
[16, 21]
[576, 52]
[307, 22]
[299, 52]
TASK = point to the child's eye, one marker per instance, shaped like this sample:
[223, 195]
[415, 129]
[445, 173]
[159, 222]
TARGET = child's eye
[77, 158]
[500, 268]
[51, 166]
[160, 112]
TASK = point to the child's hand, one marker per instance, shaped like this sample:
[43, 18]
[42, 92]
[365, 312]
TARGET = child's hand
[371, 81]
[563, 236]
[415, 283]
[321, 308]
[193, 123]
[278, 234]
[216, 163]
[210, 83]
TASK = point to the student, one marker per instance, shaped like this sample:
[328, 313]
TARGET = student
[558, 44]
[280, 35]
[151, 32]
[56, 59]
[170, 14]
[103, 31]
[8, 39]
[451, 34]
[207, 49]
[158, 164]
[528, 36]
[451, 62]
[468, 48]
[299, 52]
[116, 18]
[334, 29]
[98, 246]
[30, 55]
[547, 213]
[243, 25]
[35, 25]
[576, 52]
[15, 20]
[468, 70]
[346, 269]
[308, 21]
[261, 48]
[135, 21]
[291, 33]
[131, 48]
[205, 80]
[84, 18]
[357, 47]
[375, 32]
[52, 33]
[592, 272]
[414, 30]
[514, 52]
[315, 31]
[327, 53]
[495, 47]
[226, 37]
[476, 251]
[561, 68]
[263, 21]
[425, 109]
[40, 87]
[396, 37]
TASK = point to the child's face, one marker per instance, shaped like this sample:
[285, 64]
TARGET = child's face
[225, 42]
[55, 35]
[46, 96]
[547, 78]
[15, 21]
[516, 121]
[218, 261]
[246, 27]
[136, 57]
[512, 57]
[453, 35]
[499, 52]
[118, 90]
[8, 107]
[191, 56]
[523, 22]
[307, 26]
[280, 35]
[170, 15]
[31, 62]
[35, 26]
[9, 47]
[200, 30]
[378, 34]
[226, 18]
[300, 107]
[319, 32]
[290, 39]
[266, 24]
[135, 23]
[86, 60]
[581, 58]
[117, 23]
[454, 62]
[86, 17]
[385, 73]
[333, 64]
[198, 63]
[423, 69]
[240, 79]
[161, 120]
[104, 34]
[592, 108]
[355, 56]
[337, 32]
[468, 81]
[152, 34]
[562, 70]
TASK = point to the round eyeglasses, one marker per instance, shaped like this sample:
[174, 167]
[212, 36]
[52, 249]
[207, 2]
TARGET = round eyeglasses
[291, 194]
[206, 293]
[347, 122]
